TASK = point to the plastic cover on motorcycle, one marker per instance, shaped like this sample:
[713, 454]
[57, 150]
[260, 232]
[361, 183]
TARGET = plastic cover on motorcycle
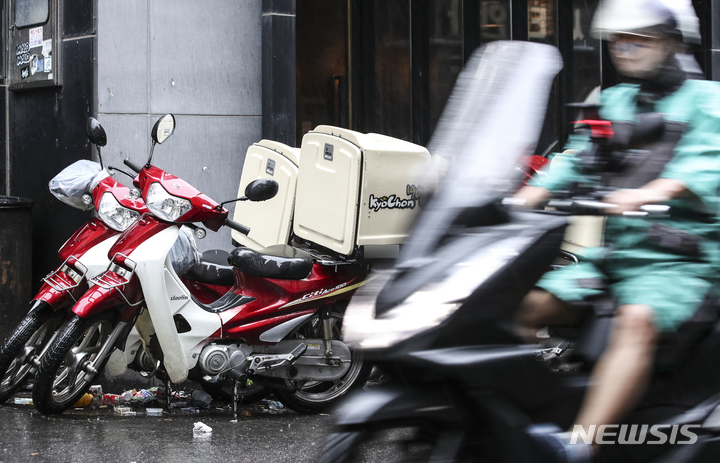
[75, 180]
[184, 254]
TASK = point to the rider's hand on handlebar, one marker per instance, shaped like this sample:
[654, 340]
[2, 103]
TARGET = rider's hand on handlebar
[658, 191]
[529, 197]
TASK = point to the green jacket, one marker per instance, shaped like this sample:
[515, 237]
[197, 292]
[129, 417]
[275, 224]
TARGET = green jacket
[695, 162]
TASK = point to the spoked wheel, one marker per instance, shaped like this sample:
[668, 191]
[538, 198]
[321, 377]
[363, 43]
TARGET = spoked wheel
[23, 346]
[224, 391]
[416, 444]
[65, 374]
[317, 396]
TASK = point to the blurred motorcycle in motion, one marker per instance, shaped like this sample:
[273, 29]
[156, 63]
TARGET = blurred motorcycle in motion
[463, 386]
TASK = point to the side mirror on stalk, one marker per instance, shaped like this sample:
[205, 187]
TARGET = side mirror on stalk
[261, 189]
[96, 135]
[95, 132]
[163, 128]
[161, 131]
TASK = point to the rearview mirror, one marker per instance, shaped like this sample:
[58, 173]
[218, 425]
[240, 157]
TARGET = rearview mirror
[261, 189]
[163, 128]
[95, 132]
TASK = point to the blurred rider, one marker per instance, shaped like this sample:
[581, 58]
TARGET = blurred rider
[657, 270]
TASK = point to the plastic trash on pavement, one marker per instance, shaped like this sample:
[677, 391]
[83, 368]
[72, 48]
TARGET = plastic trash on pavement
[201, 430]
[154, 411]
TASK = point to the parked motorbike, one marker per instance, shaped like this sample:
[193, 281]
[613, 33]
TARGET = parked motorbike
[463, 387]
[84, 185]
[278, 326]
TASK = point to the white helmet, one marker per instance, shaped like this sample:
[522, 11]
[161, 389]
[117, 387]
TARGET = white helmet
[636, 16]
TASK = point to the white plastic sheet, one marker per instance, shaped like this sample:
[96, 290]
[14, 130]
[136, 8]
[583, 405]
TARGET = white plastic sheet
[75, 180]
[184, 254]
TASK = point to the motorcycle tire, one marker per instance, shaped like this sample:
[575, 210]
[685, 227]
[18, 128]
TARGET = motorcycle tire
[59, 382]
[27, 339]
[223, 391]
[421, 443]
[318, 396]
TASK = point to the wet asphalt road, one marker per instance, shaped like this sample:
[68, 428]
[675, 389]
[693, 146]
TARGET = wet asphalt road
[101, 436]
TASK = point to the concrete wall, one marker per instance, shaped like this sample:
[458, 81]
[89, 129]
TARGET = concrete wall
[200, 61]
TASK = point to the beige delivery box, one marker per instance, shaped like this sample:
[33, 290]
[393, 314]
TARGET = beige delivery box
[357, 189]
[270, 221]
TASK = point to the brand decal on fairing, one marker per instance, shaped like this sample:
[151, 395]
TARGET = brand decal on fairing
[322, 292]
[179, 298]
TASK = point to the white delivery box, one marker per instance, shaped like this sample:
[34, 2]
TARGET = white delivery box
[357, 189]
[270, 221]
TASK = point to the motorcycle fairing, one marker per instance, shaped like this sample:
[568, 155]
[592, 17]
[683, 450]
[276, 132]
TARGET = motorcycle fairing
[85, 238]
[151, 258]
[492, 118]
[279, 301]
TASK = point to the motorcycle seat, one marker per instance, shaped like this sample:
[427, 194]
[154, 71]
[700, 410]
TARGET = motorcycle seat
[279, 261]
[213, 269]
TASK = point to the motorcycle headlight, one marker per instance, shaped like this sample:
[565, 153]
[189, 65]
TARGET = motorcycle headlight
[164, 205]
[429, 306]
[114, 215]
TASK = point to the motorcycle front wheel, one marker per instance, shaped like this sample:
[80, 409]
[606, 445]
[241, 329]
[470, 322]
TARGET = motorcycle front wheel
[421, 443]
[317, 396]
[23, 345]
[62, 377]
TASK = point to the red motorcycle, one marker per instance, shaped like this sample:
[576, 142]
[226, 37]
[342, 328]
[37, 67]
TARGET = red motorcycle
[278, 326]
[84, 185]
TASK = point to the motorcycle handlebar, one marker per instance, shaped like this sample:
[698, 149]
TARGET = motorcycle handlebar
[593, 207]
[586, 206]
[132, 165]
[237, 226]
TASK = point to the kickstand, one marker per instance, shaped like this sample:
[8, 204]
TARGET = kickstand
[168, 395]
[237, 399]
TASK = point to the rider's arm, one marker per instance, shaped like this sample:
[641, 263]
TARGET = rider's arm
[696, 163]
[562, 171]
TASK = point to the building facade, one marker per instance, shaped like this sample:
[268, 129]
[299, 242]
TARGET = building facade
[236, 71]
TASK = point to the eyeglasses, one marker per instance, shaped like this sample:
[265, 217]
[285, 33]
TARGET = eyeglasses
[622, 44]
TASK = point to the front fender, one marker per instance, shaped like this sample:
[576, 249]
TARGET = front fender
[390, 402]
[98, 298]
[59, 299]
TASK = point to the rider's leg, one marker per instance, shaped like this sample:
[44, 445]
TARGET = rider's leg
[541, 308]
[621, 376]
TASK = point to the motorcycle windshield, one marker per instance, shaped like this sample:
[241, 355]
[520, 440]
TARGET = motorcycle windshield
[493, 117]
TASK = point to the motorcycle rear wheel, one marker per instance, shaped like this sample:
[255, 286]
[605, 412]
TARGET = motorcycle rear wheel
[27, 340]
[61, 380]
[317, 396]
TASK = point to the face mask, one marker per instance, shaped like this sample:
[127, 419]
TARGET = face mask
[639, 57]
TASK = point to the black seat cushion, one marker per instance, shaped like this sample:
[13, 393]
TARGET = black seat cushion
[212, 269]
[279, 261]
